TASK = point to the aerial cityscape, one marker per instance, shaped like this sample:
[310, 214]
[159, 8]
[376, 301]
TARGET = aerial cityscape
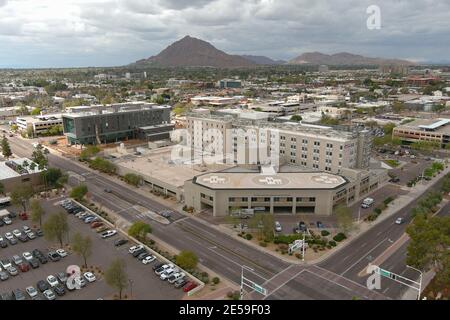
[224, 150]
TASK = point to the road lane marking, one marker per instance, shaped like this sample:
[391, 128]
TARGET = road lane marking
[364, 256]
[284, 283]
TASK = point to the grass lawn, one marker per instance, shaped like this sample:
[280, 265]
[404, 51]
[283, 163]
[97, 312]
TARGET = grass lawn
[392, 163]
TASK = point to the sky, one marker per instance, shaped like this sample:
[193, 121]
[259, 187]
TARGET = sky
[76, 33]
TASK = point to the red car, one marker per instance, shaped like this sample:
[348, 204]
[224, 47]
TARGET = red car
[23, 216]
[23, 267]
[189, 286]
[96, 224]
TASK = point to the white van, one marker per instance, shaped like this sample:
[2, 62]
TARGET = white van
[367, 203]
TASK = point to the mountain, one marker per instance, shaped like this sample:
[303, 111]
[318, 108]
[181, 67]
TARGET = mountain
[344, 58]
[263, 60]
[192, 52]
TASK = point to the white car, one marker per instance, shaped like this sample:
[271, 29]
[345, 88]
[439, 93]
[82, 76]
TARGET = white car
[278, 226]
[49, 295]
[62, 253]
[167, 274]
[26, 229]
[164, 268]
[133, 249]
[108, 234]
[32, 292]
[17, 233]
[399, 221]
[9, 235]
[27, 256]
[89, 276]
[1, 238]
[7, 220]
[52, 281]
[148, 259]
[175, 277]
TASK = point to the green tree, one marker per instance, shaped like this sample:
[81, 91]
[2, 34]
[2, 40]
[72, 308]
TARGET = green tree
[56, 227]
[187, 260]
[36, 211]
[36, 112]
[89, 152]
[38, 156]
[344, 218]
[79, 192]
[54, 177]
[82, 246]
[296, 118]
[6, 149]
[21, 195]
[132, 179]
[116, 276]
[103, 165]
[139, 230]
[388, 128]
[428, 245]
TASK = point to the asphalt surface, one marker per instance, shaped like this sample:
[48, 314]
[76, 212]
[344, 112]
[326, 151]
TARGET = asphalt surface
[225, 255]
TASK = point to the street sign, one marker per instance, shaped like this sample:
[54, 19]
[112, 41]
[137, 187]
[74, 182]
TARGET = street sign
[385, 273]
[259, 289]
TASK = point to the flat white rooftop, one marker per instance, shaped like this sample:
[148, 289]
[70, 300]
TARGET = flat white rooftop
[7, 172]
[283, 180]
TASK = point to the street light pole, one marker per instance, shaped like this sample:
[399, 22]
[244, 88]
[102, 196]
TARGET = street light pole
[303, 248]
[131, 288]
[420, 280]
[241, 296]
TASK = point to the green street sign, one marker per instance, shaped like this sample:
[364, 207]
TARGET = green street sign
[259, 289]
[385, 273]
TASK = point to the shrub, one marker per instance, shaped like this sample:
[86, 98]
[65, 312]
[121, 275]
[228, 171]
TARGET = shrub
[248, 236]
[332, 243]
[339, 237]
[377, 211]
[388, 200]
[324, 233]
[216, 280]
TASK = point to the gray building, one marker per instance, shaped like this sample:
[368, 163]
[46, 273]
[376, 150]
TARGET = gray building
[117, 122]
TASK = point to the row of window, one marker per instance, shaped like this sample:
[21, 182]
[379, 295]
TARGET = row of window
[275, 199]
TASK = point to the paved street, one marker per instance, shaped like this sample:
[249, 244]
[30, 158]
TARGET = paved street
[225, 255]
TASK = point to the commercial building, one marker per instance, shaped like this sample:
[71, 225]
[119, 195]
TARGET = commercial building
[429, 130]
[229, 84]
[19, 172]
[248, 142]
[117, 122]
[287, 191]
[38, 125]
[215, 101]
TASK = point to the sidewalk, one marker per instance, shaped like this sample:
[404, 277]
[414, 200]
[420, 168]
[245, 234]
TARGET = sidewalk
[411, 294]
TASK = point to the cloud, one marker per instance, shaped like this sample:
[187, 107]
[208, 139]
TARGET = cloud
[116, 32]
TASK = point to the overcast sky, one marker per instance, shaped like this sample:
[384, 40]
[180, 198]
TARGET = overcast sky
[65, 33]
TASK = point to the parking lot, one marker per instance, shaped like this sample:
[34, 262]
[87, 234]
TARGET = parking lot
[143, 283]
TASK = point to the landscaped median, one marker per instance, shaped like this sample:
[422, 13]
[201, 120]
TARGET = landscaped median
[148, 245]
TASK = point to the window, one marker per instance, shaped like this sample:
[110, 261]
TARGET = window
[231, 199]
[254, 199]
[289, 199]
[276, 199]
[312, 199]
[244, 199]
[266, 199]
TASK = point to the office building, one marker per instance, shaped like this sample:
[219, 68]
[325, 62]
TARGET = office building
[38, 125]
[117, 122]
[429, 130]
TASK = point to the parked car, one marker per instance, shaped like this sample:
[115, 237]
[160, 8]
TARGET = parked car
[175, 277]
[13, 241]
[42, 285]
[135, 248]
[5, 263]
[6, 296]
[27, 256]
[34, 263]
[62, 253]
[12, 215]
[59, 289]
[18, 295]
[180, 283]
[24, 267]
[108, 234]
[54, 256]
[32, 292]
[302, 226]
[9, 236]
[23, 237]
[189, 286]
[278, 226]
[16, 259]
[23, 216]
[31, 235]
[96, 224]
[90, 219]
[7, 220]
[12, 271]
[120, 242]
[101, 229]
[137, 253]
[39, 233]
[3, 244]
[157, 266]
[167, 274]
[4, 276]
[163, 268]
[52, 281]
[143, 255]
[26, 229]
[89, 276]
[17, 233]
[148, 259]
[49, 295]
[62, 277]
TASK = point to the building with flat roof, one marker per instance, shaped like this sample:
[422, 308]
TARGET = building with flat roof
[290, 190]
[37, 125]
[229, 84]
[429, 130]
[252, 142]
[19, 172]
[117, 122]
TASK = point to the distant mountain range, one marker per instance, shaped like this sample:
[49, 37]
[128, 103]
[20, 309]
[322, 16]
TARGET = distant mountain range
[344, 58]
[192, 52]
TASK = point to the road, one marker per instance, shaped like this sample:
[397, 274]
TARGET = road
[335, 278]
